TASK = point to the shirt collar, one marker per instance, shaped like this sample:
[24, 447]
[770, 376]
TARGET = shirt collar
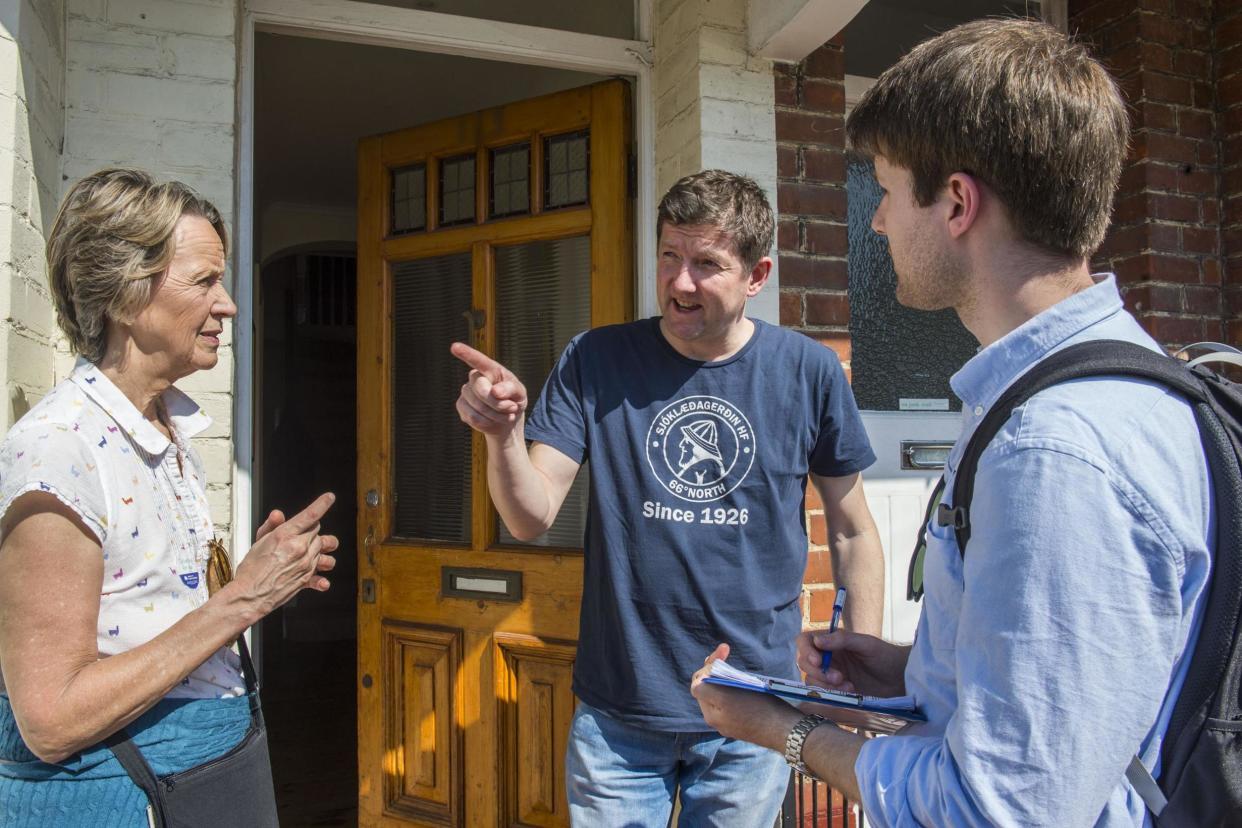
[188, 420]
[989, 372]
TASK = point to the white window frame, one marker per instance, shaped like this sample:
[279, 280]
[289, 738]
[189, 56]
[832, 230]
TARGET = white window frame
[369, 23]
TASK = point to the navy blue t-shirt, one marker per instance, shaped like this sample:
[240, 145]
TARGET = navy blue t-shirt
[695, 532]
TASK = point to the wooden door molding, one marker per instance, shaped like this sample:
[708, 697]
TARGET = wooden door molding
[464, 703]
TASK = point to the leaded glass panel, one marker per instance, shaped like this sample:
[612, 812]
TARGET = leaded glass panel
[566, 170]
[457, 190]
[409, 199]
[510, 182]
[431, 466]
[901, 358]
[543, 298]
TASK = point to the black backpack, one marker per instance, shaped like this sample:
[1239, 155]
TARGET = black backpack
[1201, 757]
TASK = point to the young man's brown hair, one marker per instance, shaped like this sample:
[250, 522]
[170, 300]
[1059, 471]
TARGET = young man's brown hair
[731, 202]
[1018, 105]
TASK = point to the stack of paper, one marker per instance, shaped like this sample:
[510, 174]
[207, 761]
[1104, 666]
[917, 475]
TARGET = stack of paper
[884, 715]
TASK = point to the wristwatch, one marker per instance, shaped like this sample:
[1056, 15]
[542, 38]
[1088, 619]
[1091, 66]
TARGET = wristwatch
[797, 738]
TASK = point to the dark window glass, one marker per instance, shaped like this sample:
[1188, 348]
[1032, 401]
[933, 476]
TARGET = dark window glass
[901, 358]
[510, 184]
[543, 299]
[409, 199]
[567, 167]
[431, 463]
[457, 190]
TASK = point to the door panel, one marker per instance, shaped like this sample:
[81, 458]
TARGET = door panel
[510, 229]
[533, 678]
[420, 682]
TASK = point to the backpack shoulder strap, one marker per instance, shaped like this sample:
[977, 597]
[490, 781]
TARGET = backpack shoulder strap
[1105, 357]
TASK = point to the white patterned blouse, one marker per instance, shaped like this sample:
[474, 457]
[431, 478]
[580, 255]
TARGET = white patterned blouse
[143, 496]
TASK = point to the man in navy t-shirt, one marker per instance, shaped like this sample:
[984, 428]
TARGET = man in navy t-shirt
[701, 427]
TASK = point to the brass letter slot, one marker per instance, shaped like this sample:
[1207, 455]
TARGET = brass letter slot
[485, 584]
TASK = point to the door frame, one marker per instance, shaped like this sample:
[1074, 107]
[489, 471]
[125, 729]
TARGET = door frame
[423, 31]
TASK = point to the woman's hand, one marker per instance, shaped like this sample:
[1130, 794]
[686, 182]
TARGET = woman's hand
[287, 557]
[860, 663]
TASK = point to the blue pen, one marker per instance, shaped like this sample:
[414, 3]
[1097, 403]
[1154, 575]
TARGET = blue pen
[837, 606]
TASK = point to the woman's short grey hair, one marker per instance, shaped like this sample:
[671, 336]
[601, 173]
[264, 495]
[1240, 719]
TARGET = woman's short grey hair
[113, 233]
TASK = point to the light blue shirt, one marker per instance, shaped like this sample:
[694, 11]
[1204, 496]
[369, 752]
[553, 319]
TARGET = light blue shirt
[1043, 660]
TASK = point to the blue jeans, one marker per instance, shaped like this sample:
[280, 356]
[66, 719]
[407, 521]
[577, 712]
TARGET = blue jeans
[620, 775]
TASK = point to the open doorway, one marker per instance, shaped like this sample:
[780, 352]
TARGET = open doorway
[314, 100]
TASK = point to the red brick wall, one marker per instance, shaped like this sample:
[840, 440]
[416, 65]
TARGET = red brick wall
[1227, 45]
[1165, 240]
[811, 236]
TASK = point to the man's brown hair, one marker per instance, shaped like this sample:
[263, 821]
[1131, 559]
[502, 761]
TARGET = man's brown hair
[1016, 104]
[733, 203]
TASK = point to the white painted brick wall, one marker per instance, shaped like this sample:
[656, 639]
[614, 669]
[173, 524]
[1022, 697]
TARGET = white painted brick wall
[31, 130]
[715, 105]
[151, 83]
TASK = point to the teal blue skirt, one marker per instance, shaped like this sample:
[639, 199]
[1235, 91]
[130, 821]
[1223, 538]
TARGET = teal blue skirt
[91, 788]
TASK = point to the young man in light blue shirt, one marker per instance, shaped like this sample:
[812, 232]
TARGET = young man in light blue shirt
[1051, 654]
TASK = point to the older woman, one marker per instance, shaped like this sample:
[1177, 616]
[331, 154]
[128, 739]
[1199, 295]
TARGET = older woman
[109, 639]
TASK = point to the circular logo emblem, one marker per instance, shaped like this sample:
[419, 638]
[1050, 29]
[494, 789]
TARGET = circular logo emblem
[700, 448]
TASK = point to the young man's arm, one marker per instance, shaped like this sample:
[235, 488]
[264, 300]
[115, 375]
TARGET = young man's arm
[857, 556]
[527, 486]
[828, 752]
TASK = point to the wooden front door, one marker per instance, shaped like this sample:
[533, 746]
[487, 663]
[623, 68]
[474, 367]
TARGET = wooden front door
[509, 228]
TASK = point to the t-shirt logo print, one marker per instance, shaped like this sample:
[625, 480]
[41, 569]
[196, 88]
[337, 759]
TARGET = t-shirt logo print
[700, 448]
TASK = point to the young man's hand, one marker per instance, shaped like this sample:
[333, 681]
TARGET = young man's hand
[757, 718]
[860, 663]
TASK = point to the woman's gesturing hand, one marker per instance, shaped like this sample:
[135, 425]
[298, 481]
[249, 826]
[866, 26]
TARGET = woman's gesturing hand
[287, 557]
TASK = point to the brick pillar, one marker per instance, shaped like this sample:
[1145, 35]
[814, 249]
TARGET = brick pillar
[1165, 241]
[811, 237]
[1228, 48]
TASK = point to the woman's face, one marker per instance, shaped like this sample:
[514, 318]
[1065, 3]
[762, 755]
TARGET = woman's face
[179, 330]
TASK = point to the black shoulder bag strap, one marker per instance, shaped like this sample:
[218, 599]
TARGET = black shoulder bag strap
[135, 764]
[1087, 359]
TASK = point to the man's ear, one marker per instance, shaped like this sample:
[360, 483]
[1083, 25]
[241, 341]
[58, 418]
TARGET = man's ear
[964, 194]
[759, 276]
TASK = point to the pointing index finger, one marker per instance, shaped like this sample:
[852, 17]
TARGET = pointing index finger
[312, 514]
[478, 360]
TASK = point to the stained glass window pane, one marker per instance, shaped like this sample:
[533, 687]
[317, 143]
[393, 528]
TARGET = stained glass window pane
[457, 190]
[510, 194]
[897, 354]
[567, 168]
[543, 298]
[431, 468]
[409, 199]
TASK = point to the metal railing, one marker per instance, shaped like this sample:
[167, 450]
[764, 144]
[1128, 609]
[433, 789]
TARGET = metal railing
[810, 803]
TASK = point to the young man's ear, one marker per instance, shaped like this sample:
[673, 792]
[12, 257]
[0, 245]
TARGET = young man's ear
[759, 276]
[964, 194]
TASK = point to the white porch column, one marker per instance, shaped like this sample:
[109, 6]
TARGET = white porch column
[714, 105]
[32, 122]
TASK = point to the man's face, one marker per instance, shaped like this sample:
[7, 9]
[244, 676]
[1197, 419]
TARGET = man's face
[182, 324]
[928, 277]
[702, 285]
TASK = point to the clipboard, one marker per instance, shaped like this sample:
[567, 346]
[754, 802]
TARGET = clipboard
[880, 715]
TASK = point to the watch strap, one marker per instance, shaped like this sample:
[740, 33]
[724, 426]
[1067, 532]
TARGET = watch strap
[797, 738]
